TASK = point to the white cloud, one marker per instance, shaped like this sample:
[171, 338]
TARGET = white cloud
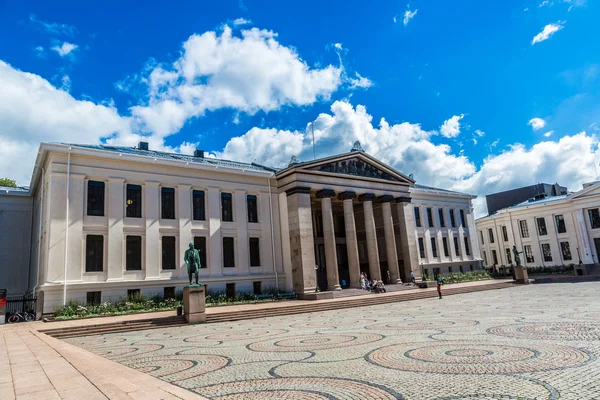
[40, 52]
[395, 18]
[537, 123]
[66, 83]
[53, 27]
[65, 49]
[241, 21]
[476, 135]
[548, 134]
[571, 3]
[547, 32]
[408, 15]
[338, 46]
[451, 127]
[360, 82]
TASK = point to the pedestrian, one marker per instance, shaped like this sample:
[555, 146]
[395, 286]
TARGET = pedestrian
[440, 282]
[412, 277]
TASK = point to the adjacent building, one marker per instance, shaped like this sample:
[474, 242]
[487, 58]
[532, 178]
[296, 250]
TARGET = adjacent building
[500, 200]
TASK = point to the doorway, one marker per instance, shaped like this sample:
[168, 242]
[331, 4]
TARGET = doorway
[322, 268]
[597, 244]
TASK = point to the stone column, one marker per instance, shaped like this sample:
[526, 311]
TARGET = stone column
[302, 246]
[390, 239]
[351, 241]
[242, 254]
[215, 242]
[153, 243]
[184, 196]
[331, 261]
[406, 223]
[371, 233]
[76, 259]
[116, 208]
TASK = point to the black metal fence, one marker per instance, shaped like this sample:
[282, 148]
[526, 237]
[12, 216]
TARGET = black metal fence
[21, 304]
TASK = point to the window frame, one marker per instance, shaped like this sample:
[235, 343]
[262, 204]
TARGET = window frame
[430, 217]
[93, 294]
[494, 257]
[254, 212]
[96, 187]
[128, 259]
[418, 221]
[100, 264]
[133, 210]
[528, 252]
[452, 218]
[225, 257]
[568, 249]
[255, 240]
[467, 248]
[541, 226]
[202, 250]
[504, 233]
[167, 203]
[169, 288]
[524, 228]
[559, 220]
[421, 244]
[508, 255]
[462, 218]
[456, 246]
[594, 219]
[433, 242]
[491, 235]
[226, 198]
[164, 255]
[445, 246]
[198, 212]
[546, 252]
[441, 217]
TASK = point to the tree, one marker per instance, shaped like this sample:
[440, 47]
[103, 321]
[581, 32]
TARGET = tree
[7, 182]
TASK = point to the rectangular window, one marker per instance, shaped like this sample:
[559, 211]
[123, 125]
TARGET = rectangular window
[456, 246]
[560, 224]
[199, 205]
[436, 272]
[467, 250]
[226, 207]
[132, 293]
[254, 252]
[230, 290]
[462, 218]
[508, 256]
[565, 248]
[228, 253]
[528, 254]
[594, 218]
[541, 224]
[421, 248]
[471, 268]
[169, 292]
[481, 237]
[168, 252]
[433, 247]
[94, 253]
[430, 217]
[200, 245]
[133, 253]
[441, 215]
[445, 245]
[491, 235]
[460, 267]
[452, 218]
[257, 286]
[167, 203]
[546, 252]
[484, 258]
[504, 233]
[134, 201]
[495, 257]
[524, 229]
[95, 200]
[449, 270]
[418, 217]
[252, 204]
[93, 298]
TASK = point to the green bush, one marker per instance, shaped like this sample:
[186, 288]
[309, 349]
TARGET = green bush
[551, 270]
[470, 276]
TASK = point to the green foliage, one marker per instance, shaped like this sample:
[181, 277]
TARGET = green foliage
[470, 276]
[7, 182]
[551, 270]
[75, 309]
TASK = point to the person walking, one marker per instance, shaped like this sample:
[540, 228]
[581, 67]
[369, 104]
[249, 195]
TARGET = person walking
[440, 282]
[412, 277]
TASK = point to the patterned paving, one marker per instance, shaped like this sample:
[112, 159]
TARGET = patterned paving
[527, 342]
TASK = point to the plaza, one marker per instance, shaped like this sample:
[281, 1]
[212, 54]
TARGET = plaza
[526, 342]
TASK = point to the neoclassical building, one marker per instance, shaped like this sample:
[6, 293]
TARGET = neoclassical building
[111, 221]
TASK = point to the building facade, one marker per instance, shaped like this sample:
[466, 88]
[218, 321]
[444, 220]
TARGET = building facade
[554, 230]
[114, 221]
[500, 200]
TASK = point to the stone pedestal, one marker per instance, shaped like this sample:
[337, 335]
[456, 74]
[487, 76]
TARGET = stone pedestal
[194, 305]
[521, 275]
[316, 296]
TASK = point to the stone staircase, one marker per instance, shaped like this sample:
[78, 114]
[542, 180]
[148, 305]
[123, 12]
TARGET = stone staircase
[286, 308]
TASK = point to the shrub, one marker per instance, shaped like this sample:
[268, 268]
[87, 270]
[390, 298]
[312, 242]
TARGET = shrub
[469, 276]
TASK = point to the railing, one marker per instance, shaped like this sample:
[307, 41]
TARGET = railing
[21, 304]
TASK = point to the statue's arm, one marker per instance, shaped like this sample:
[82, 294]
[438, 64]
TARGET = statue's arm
[186, 257]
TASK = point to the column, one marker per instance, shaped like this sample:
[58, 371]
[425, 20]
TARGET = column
[331, 262]
[371, 233]
[351, 241]
[302, 247]
[390, 239]
[152, 214]
[76, 262]
[116, 205]
[242, 253]
[215, 244]
[408, 242]
[184, 212]
[56, 201]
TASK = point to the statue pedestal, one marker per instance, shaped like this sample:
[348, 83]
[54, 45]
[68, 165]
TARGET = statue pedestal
[194, 305]
[521, 275]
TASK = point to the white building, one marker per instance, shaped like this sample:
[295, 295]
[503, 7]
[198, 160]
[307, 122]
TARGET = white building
[556, 230]
[132, 212]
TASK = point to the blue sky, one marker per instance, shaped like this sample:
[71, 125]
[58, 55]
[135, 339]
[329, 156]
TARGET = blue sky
[476, 96]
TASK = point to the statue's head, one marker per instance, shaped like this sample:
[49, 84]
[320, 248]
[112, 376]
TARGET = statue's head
[191, 245]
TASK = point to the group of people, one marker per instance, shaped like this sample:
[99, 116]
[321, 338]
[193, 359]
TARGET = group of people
[372, 286]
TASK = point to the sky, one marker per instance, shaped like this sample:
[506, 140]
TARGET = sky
[474, 96]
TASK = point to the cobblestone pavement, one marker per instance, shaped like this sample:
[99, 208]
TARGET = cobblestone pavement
[526, 342]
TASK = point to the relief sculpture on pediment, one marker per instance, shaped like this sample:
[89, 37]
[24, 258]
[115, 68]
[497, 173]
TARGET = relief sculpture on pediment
[355, 167]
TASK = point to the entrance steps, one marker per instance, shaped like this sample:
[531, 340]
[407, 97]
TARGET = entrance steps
[270, 310]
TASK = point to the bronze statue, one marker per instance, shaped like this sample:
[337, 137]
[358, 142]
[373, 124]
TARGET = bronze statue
[517, 258]
[192, 259]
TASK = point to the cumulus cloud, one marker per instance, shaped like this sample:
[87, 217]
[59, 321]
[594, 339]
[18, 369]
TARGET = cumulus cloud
[241, 21]
[547, 32]
[451, 127]
[65, 49]
[360, 82]
[536, 123]
[408, 15]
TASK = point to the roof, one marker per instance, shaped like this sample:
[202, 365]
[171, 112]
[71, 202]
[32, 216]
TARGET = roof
[433, 189]
[176, 156]
[18, 191]
[540, 201]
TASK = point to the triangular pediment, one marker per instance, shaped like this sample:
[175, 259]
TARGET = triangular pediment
[592, 190]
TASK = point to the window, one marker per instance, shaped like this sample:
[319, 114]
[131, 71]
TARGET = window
[226, 207]
[433, 247]
[168, 252]
[452, 218]
[456, 246]
[445, 245]
[200, 245]
[199, 205]
[94, 253]
[230, 290]
[565, 248]
[426, 273]
[471, 268]
[133, 253]
[169, 292]
[560, 224]
[133, 293]
[421, 248]
[528, 254]
[484, 258]
[228, 253]
[462, 218]
[508, 256]
[167, 203]
[257, 286]
[495, 257]
[481, 237]
[254, 252]
[541, 224]
[449, 270]
[467, 250]
[319, 224]
[436, 272]
[418, 217]
[441, 215]
[252, 208]
[430, 217]
[93, 298]
[594, 218]
[524, 229]
[95, 199]
[460, 267]
[491, 235]
[504, 233]
[134, 201]
[546, 252]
